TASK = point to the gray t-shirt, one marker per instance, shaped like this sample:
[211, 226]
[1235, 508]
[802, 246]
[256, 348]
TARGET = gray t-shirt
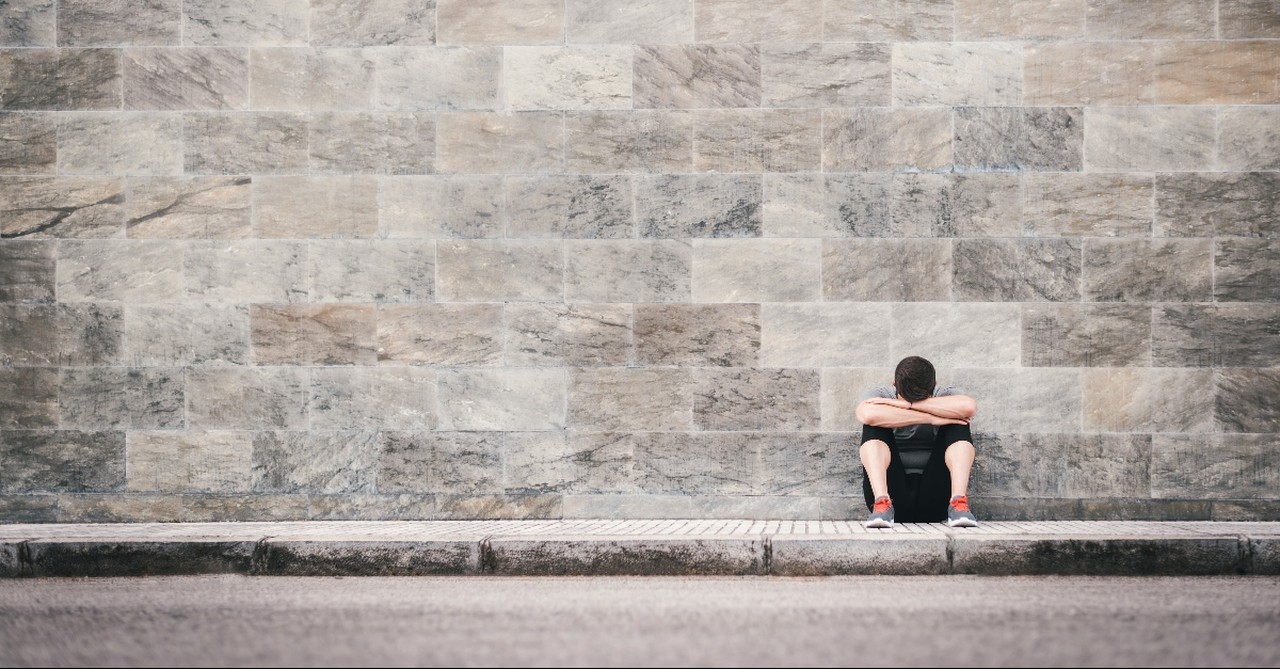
[913, 441]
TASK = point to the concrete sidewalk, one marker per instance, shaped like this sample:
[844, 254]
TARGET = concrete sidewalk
[642, 547]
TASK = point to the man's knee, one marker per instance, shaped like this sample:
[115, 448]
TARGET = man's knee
[961, 448]
[873, 447]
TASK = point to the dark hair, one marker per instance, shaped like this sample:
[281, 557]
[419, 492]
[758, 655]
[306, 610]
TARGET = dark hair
[915, 378]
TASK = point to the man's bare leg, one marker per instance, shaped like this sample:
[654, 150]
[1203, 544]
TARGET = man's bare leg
[959, 459]
[875, 459]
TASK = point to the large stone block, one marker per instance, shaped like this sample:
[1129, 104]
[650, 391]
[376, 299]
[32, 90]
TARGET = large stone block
[756, 399]
[499, 507]
[245, 143]
[120, 271]
[628, 506]
[626, 22]
[62, 334]
[1023, 399]
[698, 76]
[886, 270]
[1215, 335]
[369, 506]
[500, 271]
[60, 79]
[62, 207]
[1218, 204]
[1248, 18]
[1246, 270]
[265, 23]
[886, 140]
[567, 77]
[699, 205]
[188, 207]
[27, 508]
[887, 20]
[1148, 400]
[61, 461]
[1217, 72]
[573, 207]
[1023, 465]
[186, 78]
[102, 398]
[688, 464]
[628, 271]
[1117, 19]
[842, 391]
[186, 334]
[246, 271]
[1086, 335]
[127, 507]
[176, 462]
[500, 21]
[765, 507]
[315, 462]
[460, 463]
[757, 140]
[1017, 270]
[811, 464]
[1137, 270]
[1089, 73]
[630, 399]
[1019, 19]
[573, 462]
[825, 75]
[1214, 466]
[718, 335]
[401, 270]
[503, 399]
[853, 334]
[373, 23]
[247, 398]
[441, 334]
[956, 334]
[828, 205]
[1146, 139]
[119, 22]
[576, 335]
[29, 397]
[362, 143]
[295, 207]
[1109, 466]
[31, 145]
[398, 398]
[757, 270]
[950, 74]
[505, 143]
[634, 141]
[1248, 138]
[128, 143]
[755, 20]
[441, 207]
[1089, 205]
[30, 23]
[446, 78]
[305, 334]
[27, 271]
[1017, 139]
[1244, 399]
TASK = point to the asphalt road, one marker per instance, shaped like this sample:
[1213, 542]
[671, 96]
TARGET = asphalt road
[602, 621]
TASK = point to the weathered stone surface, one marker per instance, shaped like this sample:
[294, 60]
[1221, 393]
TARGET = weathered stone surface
[118, 22]
[369, 506]
[825, 75]
[1246, 270]
[630, 399]
[887, 20]
[861, 555]
[941, 73]
[716, 335]
[264, 23]
[372, 270]
[398, 398]
[375, 23]
[120, 271]
[656, 556]
[886, 270]
[460, 463]
[1244, 399]
[143, 143]
[28, 397]
[500, 271]
[1143, 556]
[104, 398]
[1248, 18]
[771, 507]
[246, 271]
[1109, 466]
[582, 462]
[1134, 270]
[1214, 466]
[27, 271]
[29, 23]
[242, 507]
[828, 205]
[59, 79]
[628, 506]
[628, 271]
[626, 22]
[190, 461]
[1013, 270]
[955, 335]
[755, 20]
[842, 390]
[637, 141]
[886, 140]
[806, 464]
[306, 557]
[699, 205]
[577, 335]
[1090, 73]
[244, 143]
[304, 207]
[247, 398]
[440, 334]
[824, 335]
[1020, 19]
[1023, 399]
[188, 207]
[61, 208]
[1215, 335]
[710, 464]
[305, 334]
[186, 334]
[1148, 400]
[957, 205]
[1034, 139]
[584, 207]
[1248, 138]
[1218, 204]
[1145, 139]
[447, 78]
[1021, 465]
[360, 143]
[1217, 72]
[61, 461]
[755, 399]
[1118, 19]
[499, 507]
[186, 78]
[107, 557]
[1086, 335]
[697, 76]
[568, 77]
[1089, 205]
[315, 462]
[26, 508]
[753, 140]
[503, 399]
[757, 270]
[118, 508]
[506, 143]
[62, 334]
[30, 143]
[441, 207]
[500, 21]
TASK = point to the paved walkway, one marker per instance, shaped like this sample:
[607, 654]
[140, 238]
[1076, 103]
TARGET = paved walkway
[600, 547]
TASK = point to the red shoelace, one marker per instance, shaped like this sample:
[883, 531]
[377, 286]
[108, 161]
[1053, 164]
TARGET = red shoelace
[881, 505]
[961, 503]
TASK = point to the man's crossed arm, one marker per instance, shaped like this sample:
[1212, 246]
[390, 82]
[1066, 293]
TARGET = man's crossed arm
[947, 410]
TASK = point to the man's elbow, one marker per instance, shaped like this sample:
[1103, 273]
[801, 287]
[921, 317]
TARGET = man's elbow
[868, 413]
[968, 407]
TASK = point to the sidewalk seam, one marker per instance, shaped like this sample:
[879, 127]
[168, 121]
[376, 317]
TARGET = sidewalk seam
[1245, 565]
[259, 562]
[486, 561]
[26, 565]
[766, 558]
[951, 552]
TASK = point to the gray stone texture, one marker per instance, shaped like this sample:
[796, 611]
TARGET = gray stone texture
[482, 259]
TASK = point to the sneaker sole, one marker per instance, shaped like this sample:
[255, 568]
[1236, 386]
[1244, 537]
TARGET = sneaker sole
[962, 522]
[878, 524]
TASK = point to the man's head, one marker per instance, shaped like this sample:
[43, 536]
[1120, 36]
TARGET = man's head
[915, 378]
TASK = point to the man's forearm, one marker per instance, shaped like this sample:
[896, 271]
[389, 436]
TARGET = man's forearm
[882, 415]
[961, 407]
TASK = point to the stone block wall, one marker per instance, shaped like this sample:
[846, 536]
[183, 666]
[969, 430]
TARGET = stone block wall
[404, 259]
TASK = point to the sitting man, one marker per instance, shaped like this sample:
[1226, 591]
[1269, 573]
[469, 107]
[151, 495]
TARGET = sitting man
[916, 449]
